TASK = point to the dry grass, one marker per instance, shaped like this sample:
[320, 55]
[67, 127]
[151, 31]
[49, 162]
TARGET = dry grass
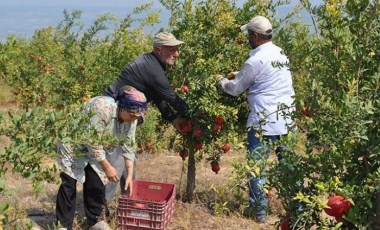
[4, 142]
[36, 210]
[29, 208]
[7, 99]
[163, 167]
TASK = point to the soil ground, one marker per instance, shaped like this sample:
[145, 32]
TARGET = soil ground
[36, 210]
[27, 206]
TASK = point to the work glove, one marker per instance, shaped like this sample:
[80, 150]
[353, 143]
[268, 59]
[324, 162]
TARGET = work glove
[219, 78]
[232, 75]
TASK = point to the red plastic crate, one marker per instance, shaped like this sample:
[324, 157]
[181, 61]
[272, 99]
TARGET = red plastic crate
[151, 206]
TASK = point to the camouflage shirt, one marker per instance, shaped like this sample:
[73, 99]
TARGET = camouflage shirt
[105, 121]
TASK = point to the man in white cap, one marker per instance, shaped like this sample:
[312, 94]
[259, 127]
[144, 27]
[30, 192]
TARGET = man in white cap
[147, 73]
[267, 80]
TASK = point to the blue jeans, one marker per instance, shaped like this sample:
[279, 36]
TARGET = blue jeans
[260, 151]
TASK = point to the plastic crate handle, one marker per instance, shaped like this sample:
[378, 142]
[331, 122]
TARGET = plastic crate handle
[154, 187]
[140, 205]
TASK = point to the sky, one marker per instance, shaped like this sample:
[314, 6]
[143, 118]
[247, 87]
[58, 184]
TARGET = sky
[74, 2]
[97, 3]
[23, 17]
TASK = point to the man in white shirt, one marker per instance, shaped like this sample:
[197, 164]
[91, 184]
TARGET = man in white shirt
[267, 80]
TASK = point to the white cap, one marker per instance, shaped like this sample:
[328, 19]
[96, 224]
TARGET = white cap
[166, 39]
[258, 24]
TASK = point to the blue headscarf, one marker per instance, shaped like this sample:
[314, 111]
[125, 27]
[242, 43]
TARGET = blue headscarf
[132, 100]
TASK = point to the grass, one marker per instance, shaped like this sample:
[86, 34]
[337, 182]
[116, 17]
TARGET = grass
[6, 96]
[165, 167]
[31, 210]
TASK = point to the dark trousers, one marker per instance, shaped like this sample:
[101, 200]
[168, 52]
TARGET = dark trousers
[93, 197]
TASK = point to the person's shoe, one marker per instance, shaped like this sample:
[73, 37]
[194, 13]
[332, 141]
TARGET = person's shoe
[248, 212]
[261, 219]
[101, 225]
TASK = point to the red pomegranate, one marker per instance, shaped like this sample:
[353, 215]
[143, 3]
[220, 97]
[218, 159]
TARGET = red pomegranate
[215, 167]
[226, 147]
[197, 133]
[184, 153]
[198, 146]
[219, 120]
[186, 127]
[185, 89]
[285, 224]
[217, 128]
[337, 207]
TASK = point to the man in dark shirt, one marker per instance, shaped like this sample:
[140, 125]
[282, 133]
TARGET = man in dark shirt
[147, 74]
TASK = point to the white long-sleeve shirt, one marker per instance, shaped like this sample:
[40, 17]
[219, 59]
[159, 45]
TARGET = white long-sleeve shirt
[266, 78]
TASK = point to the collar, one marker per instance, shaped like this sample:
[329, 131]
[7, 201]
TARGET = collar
[115, 110]
[260, 48]
[158, 59]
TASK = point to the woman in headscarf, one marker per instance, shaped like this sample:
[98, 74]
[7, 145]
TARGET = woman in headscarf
[99, 166]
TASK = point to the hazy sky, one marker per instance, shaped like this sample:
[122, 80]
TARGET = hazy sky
[97, 3]
[24, 16]
[75, 2]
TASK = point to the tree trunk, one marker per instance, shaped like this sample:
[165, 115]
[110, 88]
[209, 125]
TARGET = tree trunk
[190, 178]
[377, 211]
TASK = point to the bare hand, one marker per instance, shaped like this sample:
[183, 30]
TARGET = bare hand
[128, 186]
[112, 174]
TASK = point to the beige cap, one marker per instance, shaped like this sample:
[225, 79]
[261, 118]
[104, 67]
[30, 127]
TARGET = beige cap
[166, 39]
[258, 24]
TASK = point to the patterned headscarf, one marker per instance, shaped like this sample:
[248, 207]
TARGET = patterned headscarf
[132, 100]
